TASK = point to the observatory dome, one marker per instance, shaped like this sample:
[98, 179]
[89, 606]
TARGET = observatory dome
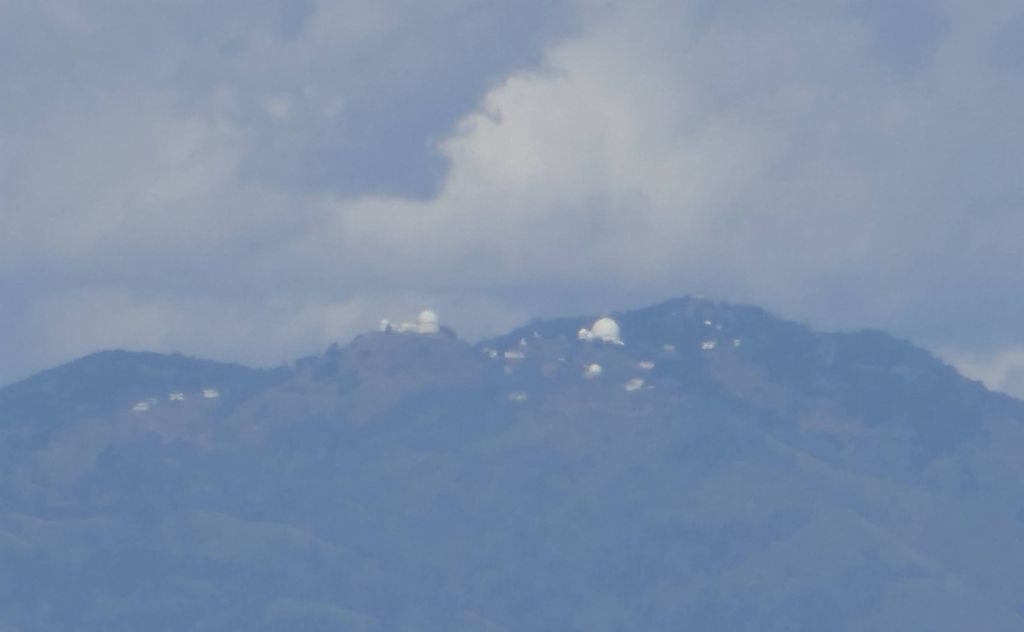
[607, 330]
[427, 322]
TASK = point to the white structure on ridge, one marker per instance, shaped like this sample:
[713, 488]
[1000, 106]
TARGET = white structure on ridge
[426, 323]
[604, 330]
[634, 384]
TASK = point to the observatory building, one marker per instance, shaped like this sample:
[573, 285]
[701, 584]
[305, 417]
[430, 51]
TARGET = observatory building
[603, 330]
[426, 323]
[634, 384]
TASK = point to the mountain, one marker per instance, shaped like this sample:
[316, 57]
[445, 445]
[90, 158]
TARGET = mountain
[722, 470]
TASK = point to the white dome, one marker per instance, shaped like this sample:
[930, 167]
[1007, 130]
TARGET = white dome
[607, 330]
[427, 322]
[427, 316]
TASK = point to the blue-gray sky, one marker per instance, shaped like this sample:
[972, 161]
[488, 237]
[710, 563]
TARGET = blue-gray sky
[253, 180]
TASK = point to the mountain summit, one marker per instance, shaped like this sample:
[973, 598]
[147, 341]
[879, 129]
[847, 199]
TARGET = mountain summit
[688, 466]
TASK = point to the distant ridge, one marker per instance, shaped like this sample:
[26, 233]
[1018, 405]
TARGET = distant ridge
[720, 469]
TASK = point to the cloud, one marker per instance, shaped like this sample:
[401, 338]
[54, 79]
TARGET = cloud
[1000, 370]
[168, 154]
[254, 180]
[761, 160]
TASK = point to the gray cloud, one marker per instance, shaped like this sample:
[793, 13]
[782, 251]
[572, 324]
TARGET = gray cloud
[905, 34]
[1008, 51]
[255, 180]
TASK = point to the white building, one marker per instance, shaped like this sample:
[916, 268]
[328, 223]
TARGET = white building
[426, 323]
[634, 384]
[603, 330]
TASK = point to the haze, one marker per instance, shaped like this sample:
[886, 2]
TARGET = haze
[249, 181]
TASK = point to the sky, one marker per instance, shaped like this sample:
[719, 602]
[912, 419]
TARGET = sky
[252, 180]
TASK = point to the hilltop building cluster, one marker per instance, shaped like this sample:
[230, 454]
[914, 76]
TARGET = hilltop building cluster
[426, 323]
[604, 330]
[147, 405]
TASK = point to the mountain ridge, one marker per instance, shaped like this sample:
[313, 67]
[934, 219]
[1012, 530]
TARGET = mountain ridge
[777, 479]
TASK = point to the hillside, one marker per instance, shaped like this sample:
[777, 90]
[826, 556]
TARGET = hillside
[722, 470]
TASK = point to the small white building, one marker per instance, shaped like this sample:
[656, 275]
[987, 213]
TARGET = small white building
[427, 323]
[603, 330]
[634, 384]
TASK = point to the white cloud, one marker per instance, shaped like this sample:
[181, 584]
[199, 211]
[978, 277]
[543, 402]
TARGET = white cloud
[1000, 370]
[758, 159]
[785, 156]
